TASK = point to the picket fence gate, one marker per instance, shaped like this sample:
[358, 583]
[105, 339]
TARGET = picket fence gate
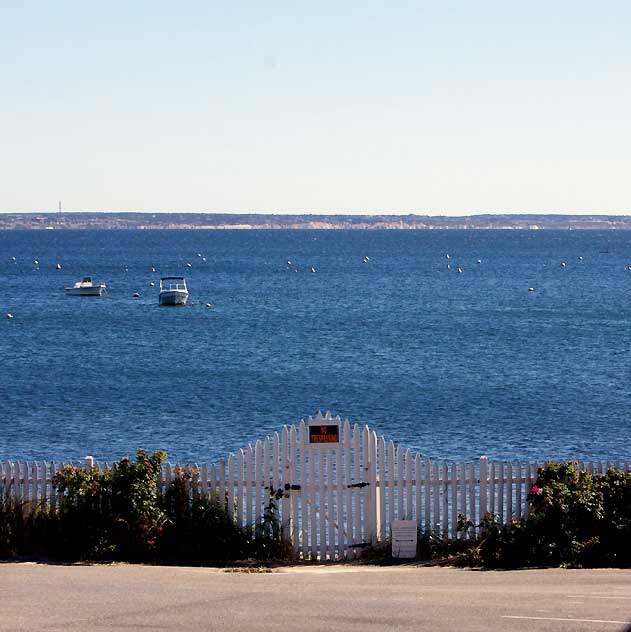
[338, 488]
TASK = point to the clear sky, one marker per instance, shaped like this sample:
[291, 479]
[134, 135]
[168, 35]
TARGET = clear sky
[449, 107]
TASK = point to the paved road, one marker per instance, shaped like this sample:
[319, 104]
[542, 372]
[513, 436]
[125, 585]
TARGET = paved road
[349, 598]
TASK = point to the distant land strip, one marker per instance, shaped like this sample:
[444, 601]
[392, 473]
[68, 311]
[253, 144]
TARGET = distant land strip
[252, 221]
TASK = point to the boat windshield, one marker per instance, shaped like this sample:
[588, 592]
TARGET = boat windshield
[173, 284]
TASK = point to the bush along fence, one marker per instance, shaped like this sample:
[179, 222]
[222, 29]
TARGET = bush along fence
[326, 490]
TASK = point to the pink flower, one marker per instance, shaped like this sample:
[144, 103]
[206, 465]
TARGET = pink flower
[535, 490]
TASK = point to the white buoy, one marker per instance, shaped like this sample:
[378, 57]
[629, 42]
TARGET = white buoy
[153, 269]
[199, 254]
[479, 260]
[313, 269]
[36, 262]
[136, 295]
[449, 266]
[151, 284]
[447, 256]
[563, 264]
[459, 270]
[13, 259]
[580, 258]
[58, 266]
[203, 258]
[209, 304]
[531, 289]
[288, 263]
[126, 269]
[188, 265]
[9, 316]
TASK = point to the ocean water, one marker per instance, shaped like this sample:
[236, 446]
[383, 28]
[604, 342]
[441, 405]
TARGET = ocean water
[454, 365]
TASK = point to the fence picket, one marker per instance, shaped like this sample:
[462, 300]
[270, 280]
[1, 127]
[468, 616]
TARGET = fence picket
[347, 482]
[472, 486]
[231, 484]
[427, 487]
[454, 501]
[267, 472]
[285, 479]
[313, 522]
[400, 483]
[204, 481]
[419, 488]
[16, 480]
[527, 486]
[223, 497]
[509, 491]
[444, 519]
[35, 481]
[53, 492]
[339, 508]
[483, 484]
[436, 493]
[409, 499]
[463, 495]
[249, 486]
[321, 501]
[292, 521]
[239, 486]
[257, 479]
[500, 491]
[372, 458]
[391, 479]
[331, 548]
[357, 508]
[491, 494]
[304, 492]
[518, 507]
[214, 487]
[381, 516]
[43, 483]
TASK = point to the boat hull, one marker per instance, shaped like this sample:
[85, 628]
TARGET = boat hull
[97, 290]
[173, 297]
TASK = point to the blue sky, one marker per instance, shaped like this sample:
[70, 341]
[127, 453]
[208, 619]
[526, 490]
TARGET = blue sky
[427, 107]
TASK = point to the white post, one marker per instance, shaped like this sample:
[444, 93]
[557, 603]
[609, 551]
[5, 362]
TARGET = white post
[89, 461]
[483, 507]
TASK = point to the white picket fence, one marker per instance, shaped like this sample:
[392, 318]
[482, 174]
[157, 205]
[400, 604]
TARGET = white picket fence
[337, 496]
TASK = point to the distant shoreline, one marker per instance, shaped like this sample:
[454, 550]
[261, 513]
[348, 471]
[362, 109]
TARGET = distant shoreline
[254, 221]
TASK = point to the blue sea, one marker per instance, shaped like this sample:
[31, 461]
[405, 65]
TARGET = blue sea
[452, 364]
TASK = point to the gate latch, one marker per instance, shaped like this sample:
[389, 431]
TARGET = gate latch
[362, 484]
[292, 487]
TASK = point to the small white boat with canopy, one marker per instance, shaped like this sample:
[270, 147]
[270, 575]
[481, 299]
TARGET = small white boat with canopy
[86, 287]
[173, 291]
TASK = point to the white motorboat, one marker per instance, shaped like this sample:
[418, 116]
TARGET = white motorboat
[86, 287]
[173, 291]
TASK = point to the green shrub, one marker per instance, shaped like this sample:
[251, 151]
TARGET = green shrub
[108, 515]
[269, 542]
[11, 525]
[119, 514]
[614, 535]
[197, 528]
[576, 519]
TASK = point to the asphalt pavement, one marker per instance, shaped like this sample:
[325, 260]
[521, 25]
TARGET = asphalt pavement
[321, 598]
